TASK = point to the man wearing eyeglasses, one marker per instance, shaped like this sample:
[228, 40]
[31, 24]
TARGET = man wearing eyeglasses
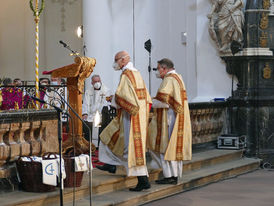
[170, 137]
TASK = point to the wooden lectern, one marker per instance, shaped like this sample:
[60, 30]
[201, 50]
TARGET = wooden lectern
[76, 74]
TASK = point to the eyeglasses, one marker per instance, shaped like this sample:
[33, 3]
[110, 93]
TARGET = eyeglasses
[161, 67]
[116, 60]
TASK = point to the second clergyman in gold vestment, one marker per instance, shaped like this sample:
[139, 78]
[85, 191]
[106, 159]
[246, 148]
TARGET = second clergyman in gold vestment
[170, 137]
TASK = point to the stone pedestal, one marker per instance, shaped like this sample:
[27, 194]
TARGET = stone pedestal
[252, 104]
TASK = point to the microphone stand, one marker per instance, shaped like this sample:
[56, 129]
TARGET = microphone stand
[147, 46]
[149, 72]
[90, 155]
[59, 111]
[84, 49]
[75, 53]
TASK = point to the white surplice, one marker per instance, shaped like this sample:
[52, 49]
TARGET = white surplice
[94, 100]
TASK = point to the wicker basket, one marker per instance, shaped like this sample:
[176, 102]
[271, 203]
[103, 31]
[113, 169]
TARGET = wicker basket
[72, 178]
[30, 174]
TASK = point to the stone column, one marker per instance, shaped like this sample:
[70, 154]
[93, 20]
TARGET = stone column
[4, 148]
[13, 141]
[25, 146]
[31, 135]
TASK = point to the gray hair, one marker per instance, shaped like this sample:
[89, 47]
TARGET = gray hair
[95, 75]
[166, 62]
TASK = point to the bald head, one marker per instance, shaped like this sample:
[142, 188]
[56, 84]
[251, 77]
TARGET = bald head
[121, 54]
[122, 58]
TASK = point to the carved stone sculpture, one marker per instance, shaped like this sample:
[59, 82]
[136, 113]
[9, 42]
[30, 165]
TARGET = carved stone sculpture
[226, 22]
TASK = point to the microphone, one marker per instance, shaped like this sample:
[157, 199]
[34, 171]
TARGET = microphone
[148, 45]
[74, 53]
[63, 43]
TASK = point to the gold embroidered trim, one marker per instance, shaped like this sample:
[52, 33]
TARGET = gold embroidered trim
[115, 136]
[141, 93]
[166, 98]
[130, 108]
[137, 140]
[113, 140]
[159, 129]
[180, 138]
[183, 92]
[131, 77]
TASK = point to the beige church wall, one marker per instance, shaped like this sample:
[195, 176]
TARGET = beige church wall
[17, 41]
[17, 37]
[98, 38]
[213, 80]
[183, 20]
[61, 19]
[164, 22]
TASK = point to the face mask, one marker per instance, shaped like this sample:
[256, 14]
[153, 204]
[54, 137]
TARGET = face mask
[116, 66]
[54, 83]
[97, 85]
[157, 74]
[44, 83]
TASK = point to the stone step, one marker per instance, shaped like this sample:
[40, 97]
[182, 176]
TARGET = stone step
[104, 182]
[211, 157]
[189, 181]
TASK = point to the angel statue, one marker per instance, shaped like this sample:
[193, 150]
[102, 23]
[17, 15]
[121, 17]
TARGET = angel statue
[226, 22]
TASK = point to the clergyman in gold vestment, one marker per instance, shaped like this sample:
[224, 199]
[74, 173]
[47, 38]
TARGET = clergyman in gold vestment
[170, 137]
[124, 139]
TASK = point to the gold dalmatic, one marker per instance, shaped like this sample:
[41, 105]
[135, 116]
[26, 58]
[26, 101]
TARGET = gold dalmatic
[133, 98]
[178, 146]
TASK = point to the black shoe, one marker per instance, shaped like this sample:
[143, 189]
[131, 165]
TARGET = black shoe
[169, 180]
[142, 184]
[107, 167]
[174, 180]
